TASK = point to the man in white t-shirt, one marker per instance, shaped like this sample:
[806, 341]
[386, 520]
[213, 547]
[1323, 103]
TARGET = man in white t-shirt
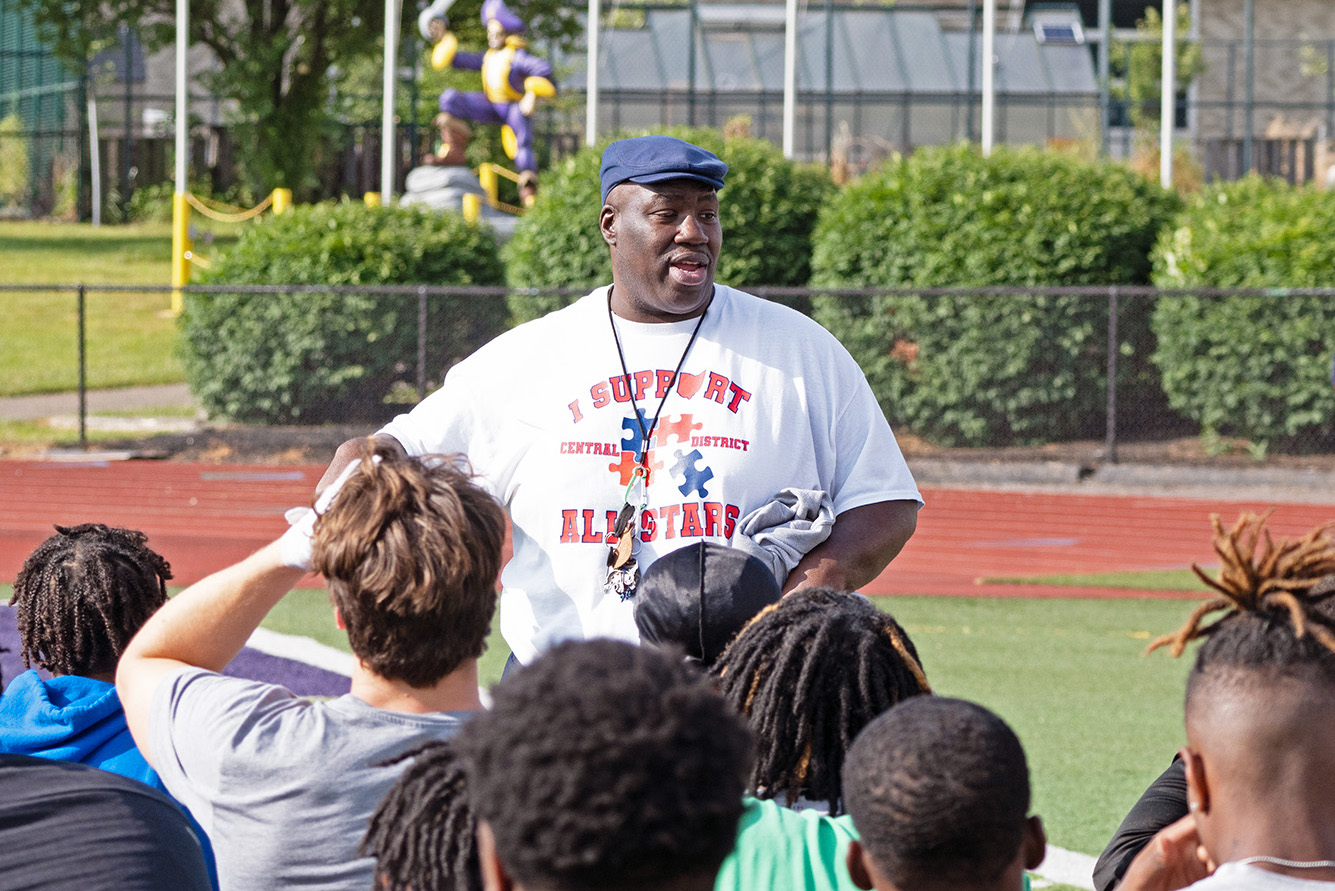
[661, 411]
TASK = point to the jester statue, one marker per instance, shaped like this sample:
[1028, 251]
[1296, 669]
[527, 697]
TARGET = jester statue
[512, 81]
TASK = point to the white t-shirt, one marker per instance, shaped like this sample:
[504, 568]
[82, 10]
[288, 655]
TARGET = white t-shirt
[1245, 877]
[766, 399]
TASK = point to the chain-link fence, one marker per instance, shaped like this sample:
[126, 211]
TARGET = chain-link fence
[379, 368]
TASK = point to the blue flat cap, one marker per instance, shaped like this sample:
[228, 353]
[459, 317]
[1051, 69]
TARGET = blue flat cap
[653, 159]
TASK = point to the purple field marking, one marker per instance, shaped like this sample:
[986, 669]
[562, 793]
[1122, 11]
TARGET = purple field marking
[300, 678]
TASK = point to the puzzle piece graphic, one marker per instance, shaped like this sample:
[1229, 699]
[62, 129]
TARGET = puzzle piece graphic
[633, 441]
[679, 426]
[695, 477]
[626, 466]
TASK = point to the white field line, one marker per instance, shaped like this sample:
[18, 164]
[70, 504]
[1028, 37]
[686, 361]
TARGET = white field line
[1063, 867]
[302, 649]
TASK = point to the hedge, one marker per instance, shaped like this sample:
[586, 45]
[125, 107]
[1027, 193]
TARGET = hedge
[971, 370]
[768, 208]
[309, 357]
[1253, 367]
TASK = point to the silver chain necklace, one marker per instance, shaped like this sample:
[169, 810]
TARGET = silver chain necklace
[1291, 864]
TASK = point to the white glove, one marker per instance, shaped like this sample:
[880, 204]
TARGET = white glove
[295, 543]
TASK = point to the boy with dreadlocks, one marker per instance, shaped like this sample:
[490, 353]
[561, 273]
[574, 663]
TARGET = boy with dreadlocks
[808, 673]
[79, 598]
[410, 548]
[1260, 721]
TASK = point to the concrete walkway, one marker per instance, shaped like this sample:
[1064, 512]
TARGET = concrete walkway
[55, 405]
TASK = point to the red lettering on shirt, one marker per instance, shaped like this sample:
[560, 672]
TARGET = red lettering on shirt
[738, 397]
[664, 381]
[642, 381]
[568, 526]
[668, 514]
[598, 392]
[717, 384]
[730, 514]
[648, 525]
[589, 535]
[712, 511]
[620, 388]
[690, 521]
[574, 410]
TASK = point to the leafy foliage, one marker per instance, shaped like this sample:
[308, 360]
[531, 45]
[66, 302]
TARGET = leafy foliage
[994, 369]
[15, 165]
[320, 356]
[1144, 64]
[768, 208]
[277, 60]
[1256, 367]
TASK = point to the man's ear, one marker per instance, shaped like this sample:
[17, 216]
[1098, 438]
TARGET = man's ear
[857, 866]
[607, 223]
[338, 620]
[494, 876]
[1034, 847]
[1198, 784]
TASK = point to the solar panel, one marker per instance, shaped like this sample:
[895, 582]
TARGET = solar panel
[1061, 33]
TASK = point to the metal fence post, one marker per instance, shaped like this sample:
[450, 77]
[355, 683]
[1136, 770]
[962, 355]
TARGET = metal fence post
[83, 372]
[421, 342]
[1110, 444]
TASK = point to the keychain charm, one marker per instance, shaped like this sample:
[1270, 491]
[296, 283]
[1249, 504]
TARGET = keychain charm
[623, 573]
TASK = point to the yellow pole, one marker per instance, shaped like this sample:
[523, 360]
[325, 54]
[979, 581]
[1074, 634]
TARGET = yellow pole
[472, 207]
[486, 175]
[181, 249]
[282, 200]
[372, 199]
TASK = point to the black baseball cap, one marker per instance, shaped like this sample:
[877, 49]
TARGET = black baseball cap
[698, 597]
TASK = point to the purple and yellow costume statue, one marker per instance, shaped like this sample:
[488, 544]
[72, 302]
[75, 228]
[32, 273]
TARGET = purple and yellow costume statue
[512, 81]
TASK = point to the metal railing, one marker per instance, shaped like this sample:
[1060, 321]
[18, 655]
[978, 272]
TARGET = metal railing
[422, 374]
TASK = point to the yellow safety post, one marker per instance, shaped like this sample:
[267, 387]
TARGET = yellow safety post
[472, 207]
[486, 175]
[372, 199]
[181, 250]
[282, 200]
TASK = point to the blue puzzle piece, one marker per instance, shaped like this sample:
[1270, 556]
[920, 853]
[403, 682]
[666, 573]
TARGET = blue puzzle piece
[695, 477]
[633, 441]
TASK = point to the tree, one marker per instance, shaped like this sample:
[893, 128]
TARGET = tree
[1144, 64]
[278, 60]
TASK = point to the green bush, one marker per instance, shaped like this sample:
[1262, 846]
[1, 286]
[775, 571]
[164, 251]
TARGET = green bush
[983, 370]
[320, 356]
[15, 163]
[768, 208]
[1254, 367]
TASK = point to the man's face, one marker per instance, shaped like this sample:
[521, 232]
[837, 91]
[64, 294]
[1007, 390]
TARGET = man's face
[495, 34]
[665, 239]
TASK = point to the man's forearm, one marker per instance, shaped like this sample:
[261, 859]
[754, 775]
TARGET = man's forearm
[204, 626]
[863, 542]
[207, 624]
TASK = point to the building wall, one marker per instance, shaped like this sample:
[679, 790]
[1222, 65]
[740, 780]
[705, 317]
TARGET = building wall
[1294, 65]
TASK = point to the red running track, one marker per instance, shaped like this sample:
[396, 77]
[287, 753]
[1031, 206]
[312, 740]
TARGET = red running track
[203, 517]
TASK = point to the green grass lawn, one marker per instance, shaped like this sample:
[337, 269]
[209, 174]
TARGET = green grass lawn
[131, 338]
[1148, 580]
